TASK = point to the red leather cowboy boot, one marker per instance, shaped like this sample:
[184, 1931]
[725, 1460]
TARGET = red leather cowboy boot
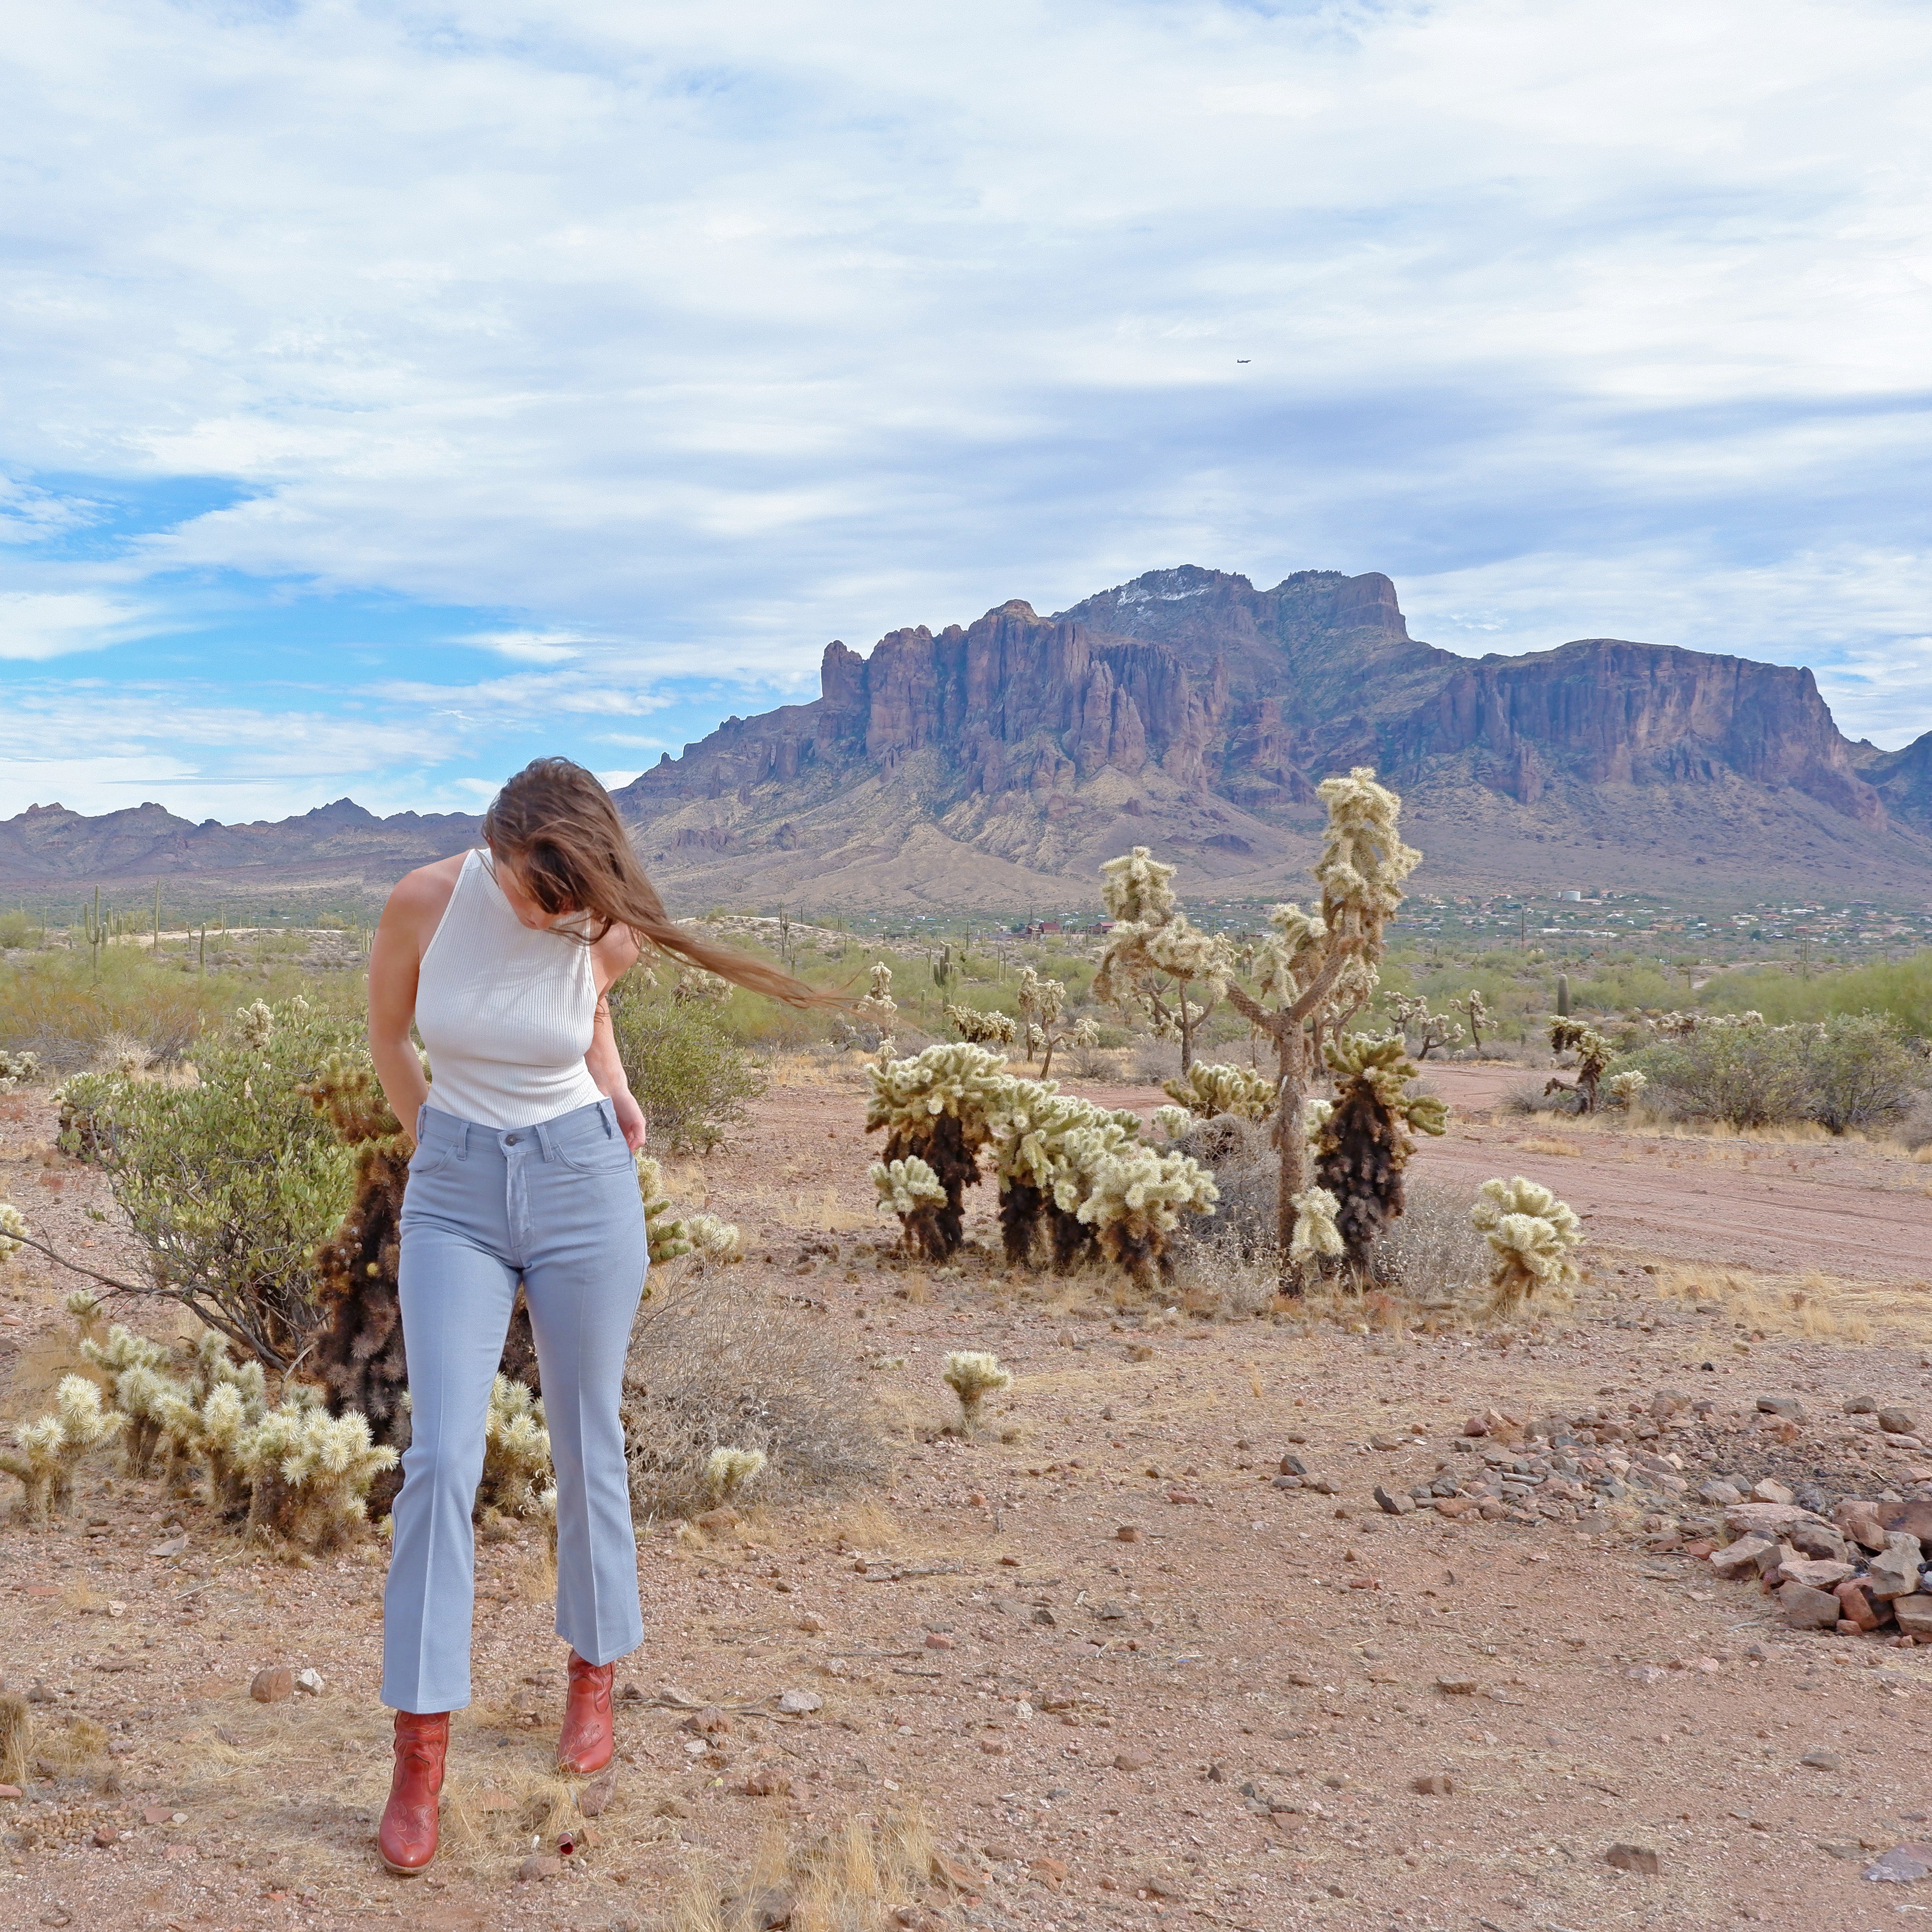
[407, 1839]
[585, 1744]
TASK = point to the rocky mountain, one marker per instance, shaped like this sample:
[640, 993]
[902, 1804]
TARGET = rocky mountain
[995, 766]
[998, 764]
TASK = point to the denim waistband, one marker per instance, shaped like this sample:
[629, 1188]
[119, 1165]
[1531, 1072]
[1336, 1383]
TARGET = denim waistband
[582, 1126]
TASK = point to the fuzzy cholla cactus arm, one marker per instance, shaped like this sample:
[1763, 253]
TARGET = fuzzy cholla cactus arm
[973, 1374]
[1207, 1090]
[1531, 1235]
[1316, 1235]
[1154, 958]
[309, 1471]
[728, 1470]
[46, 1453]
[516, 1450]
[937, 1105]
[905, 1188]
[1134, 1199]
[983, 1029]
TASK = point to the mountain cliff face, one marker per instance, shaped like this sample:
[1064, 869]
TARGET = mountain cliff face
[995, 766]
[1001, 762]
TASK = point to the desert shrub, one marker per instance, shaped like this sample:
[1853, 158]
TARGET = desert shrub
[18, 928]
[1849, 1072]
[1155, 1061]
[231, 1181]
[1432, 1253]
[1240, 1153]
[1861, 1073]
[715, 1365]
[1900, 989]
[693, 1080]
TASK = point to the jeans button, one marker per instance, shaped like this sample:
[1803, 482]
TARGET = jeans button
[509, 1140]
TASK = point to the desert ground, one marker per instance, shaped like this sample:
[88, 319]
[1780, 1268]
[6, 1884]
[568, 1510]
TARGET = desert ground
[1095, 1665]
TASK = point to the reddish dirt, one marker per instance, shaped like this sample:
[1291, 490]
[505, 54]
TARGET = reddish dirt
[1086, 1738]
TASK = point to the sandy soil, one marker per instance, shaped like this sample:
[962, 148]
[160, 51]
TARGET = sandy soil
[1223, 1721]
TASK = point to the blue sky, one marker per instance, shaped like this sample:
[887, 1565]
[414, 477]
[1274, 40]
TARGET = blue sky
[394, 392]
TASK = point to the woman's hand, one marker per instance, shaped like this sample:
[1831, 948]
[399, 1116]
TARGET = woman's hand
[630, 1119]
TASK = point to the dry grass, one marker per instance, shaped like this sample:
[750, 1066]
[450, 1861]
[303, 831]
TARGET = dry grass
[1815, 1305]
[16, 1738]
[852, 1880]
[714, 1363]
[815, 1211]
[1548, 1144]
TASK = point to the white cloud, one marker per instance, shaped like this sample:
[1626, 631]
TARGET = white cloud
[686, 337]
[57, 623]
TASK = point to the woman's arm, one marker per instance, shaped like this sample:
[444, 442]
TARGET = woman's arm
[612, 957]
[395, 960]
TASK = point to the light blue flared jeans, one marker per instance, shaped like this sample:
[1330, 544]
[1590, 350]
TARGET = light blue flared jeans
[555, 1206]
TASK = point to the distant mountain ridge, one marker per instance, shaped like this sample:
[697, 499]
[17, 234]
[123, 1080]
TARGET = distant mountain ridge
[995, 765]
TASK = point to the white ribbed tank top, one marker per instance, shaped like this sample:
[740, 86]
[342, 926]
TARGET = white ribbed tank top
[507, 1013]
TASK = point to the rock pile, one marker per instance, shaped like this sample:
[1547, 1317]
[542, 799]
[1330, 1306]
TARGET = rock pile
[1864, 1571]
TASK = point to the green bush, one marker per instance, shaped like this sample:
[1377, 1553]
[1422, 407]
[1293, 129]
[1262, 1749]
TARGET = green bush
[1852, 1072]
[19, 928]
[230, 1181]
[691, 1077]
[1900, 989]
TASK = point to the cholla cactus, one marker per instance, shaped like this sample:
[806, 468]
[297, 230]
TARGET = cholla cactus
[47, 1452]
[973, 1374]
[1624, 1088]
[906, 1187]
[309, 1472]
[1477, 1008]
[256, 1024]
[204, 1420]
[719, 1240]
[516, 1450]
[1134, 1199]
[694, 984]
[1170, 1122]
[983, 1029]
[1430, 1029]
[1363, 1146]
[140, 1385]
[13, 1226]
[1317, 967]
[936, 1105]
[728, 1470]
[1207, 1090]
[1530, 1233]
[1593, 1053]
[1044, 1144]
[1316, 1236]
[663, 1231]
[1153, 956]
[880, 1007]
[17, 1069]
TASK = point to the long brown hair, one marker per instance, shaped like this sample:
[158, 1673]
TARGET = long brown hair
[558, 827]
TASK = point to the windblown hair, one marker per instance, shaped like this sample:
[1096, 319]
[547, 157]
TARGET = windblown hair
[558, 827]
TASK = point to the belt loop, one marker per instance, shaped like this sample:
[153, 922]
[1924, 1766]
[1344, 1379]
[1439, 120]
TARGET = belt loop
[542, 1132]
[463, 1142]
[606, 1112]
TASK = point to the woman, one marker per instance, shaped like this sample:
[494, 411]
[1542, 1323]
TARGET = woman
[503, 959]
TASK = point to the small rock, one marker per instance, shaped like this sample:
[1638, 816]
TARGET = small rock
[1859, 1521]
[9, 1791]
[309, 1682]
[1904, 1865]
[1048, 1870]
[1768, 1491]
[1807, 1609]
[594, 1800]
[1434, 1784]
[158, 1814]
[1736, 1558]
[1858, 1607]
[1822, 1760]
[1128, 1532]
[1638, 1858]
[1456, 1686]
[1132, 1760]
[1322, 1485]
[106, 1834]
[723, 1517]
[1914, 1614]
[273, 1685]
[1897, 1422]
[1395, 1504]
[939, 1640]
[1718, 1494]
[173, 1546]
[1818, 1540]
[1861, 1405]
[709, 1721]
[1893, 1571]
[800, 1703]
[1786, 1409]
[538, 1866]
[766, 1783]
[1819, 1574]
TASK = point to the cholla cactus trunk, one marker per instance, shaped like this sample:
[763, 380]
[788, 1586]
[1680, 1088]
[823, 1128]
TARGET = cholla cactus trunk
[357, 1355]
[936, 1229]
[1072, 1241]
[1361, 1165]
[1140, 1251]
[1023, 1208]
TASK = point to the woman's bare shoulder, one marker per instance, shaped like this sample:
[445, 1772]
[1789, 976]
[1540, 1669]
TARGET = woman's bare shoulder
[423, 896]
[615, 954]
